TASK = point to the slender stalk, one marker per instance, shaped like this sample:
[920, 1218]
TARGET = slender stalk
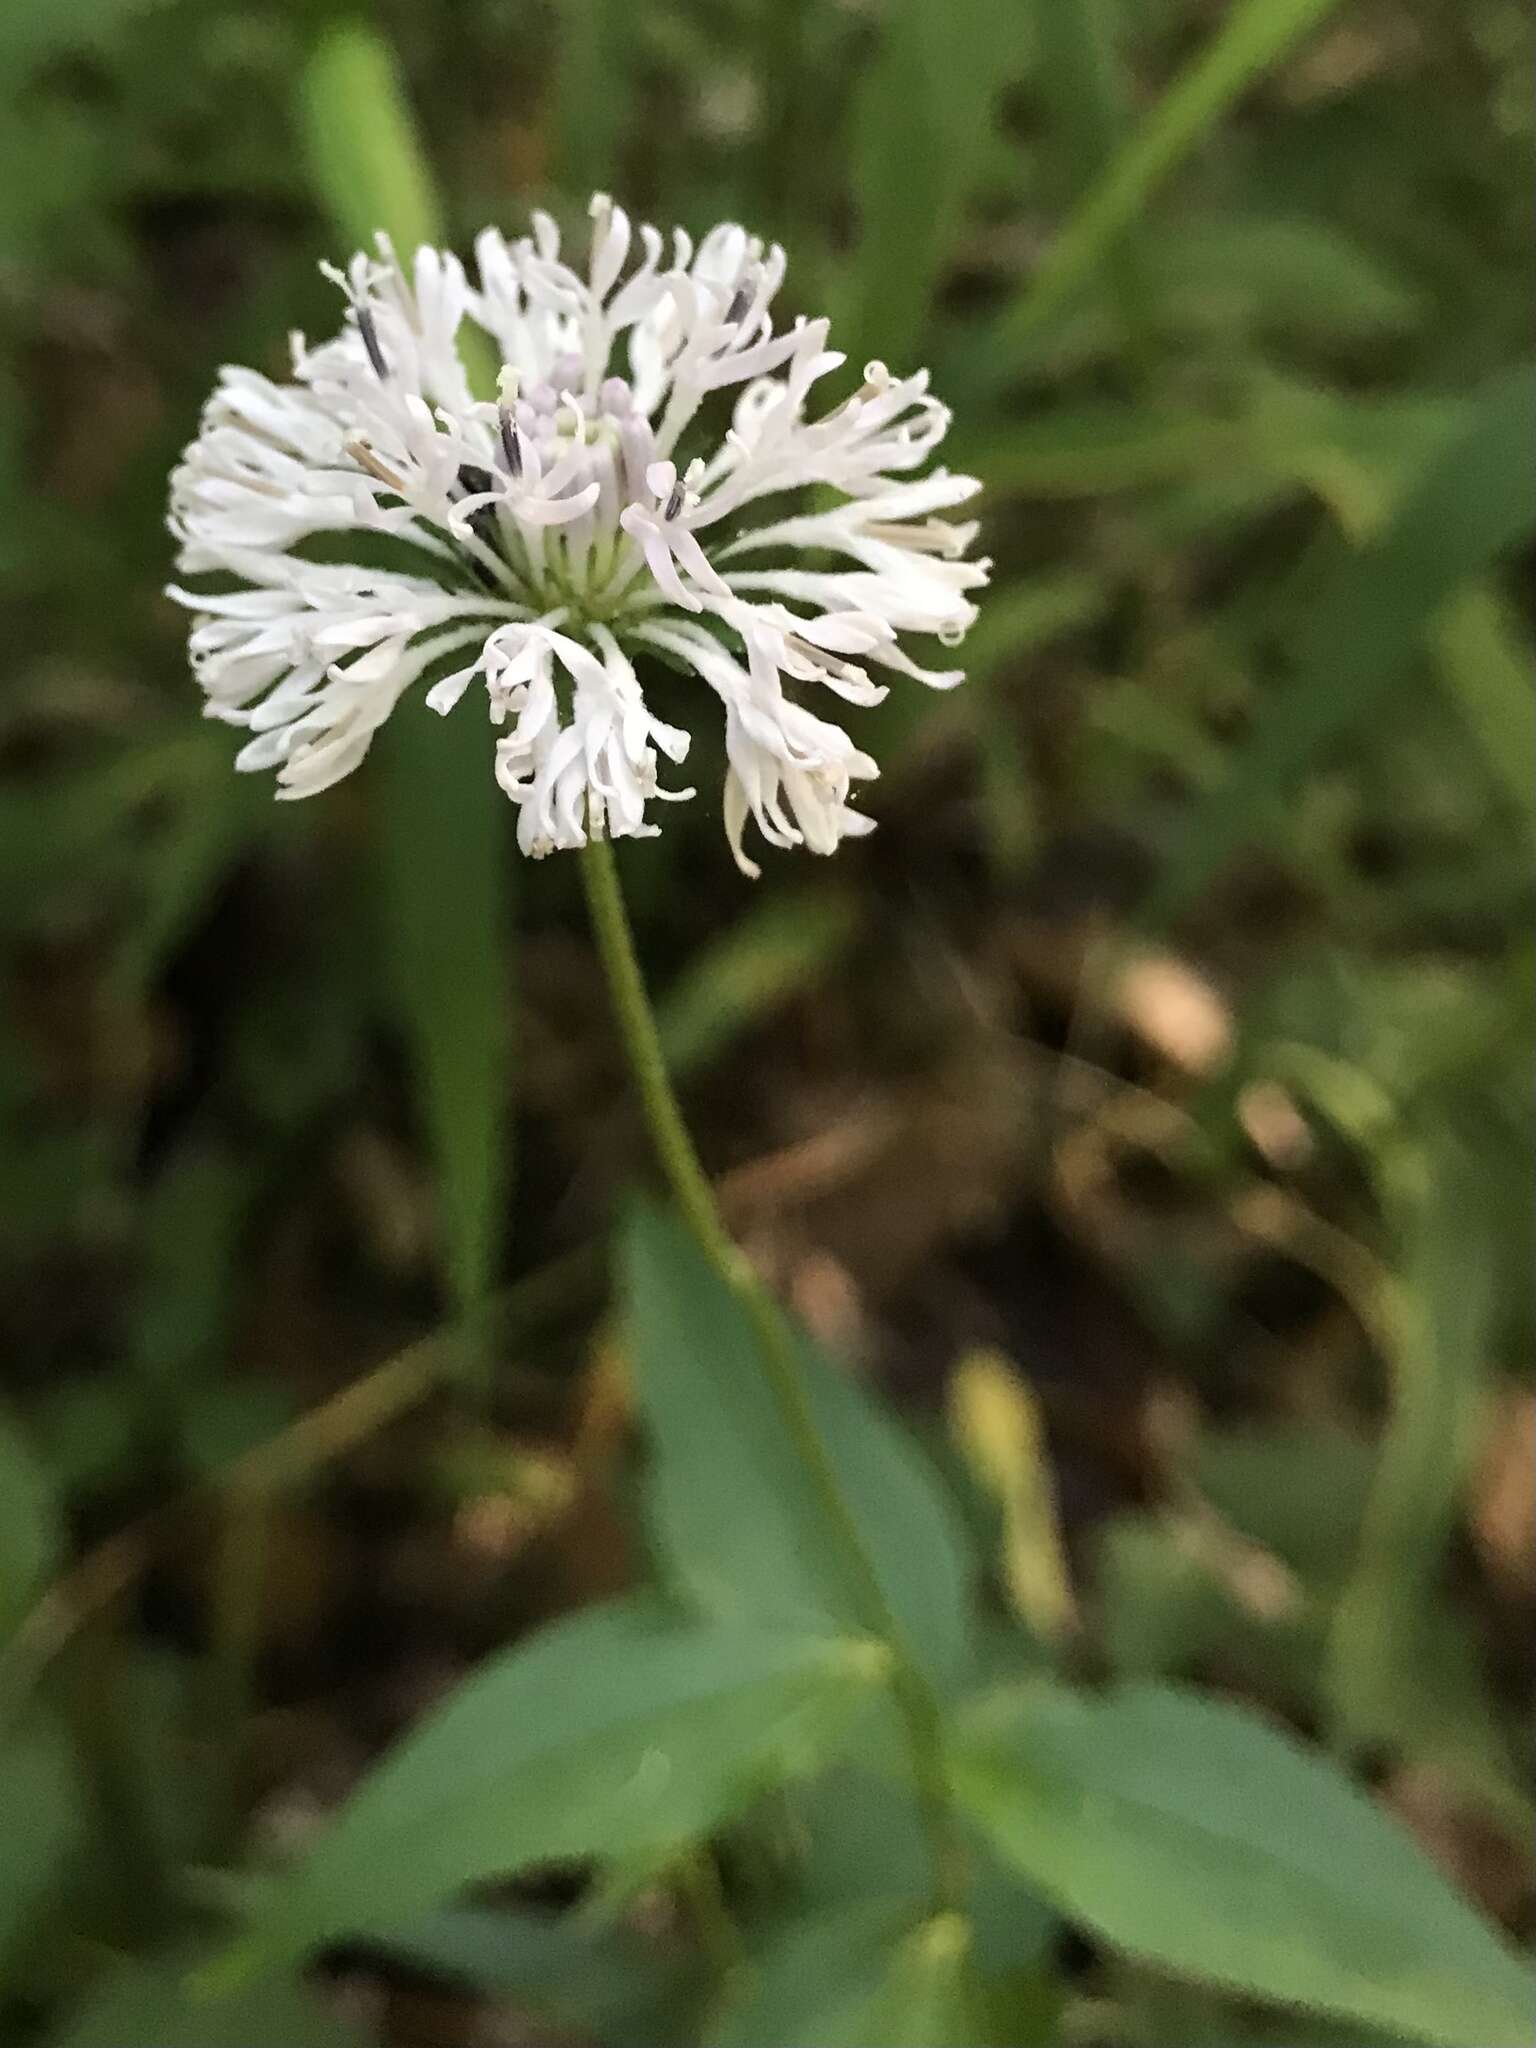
[777, 1354]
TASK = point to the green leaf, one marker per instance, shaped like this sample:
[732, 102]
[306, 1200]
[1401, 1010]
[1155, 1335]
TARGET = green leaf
[192, 1217]
[861, 1835]
[1299, 1489]
[1190, 1834]
[1084, 451]
[1284, 275]
[856, 1978]
[365, 159]
[1087, 90]
[921, 123]
[216, 818]
[445, 854]
[592, 1977]
[734, 1512]
[773, 951]
[1487, 672]
[41, 1821]
[1447, 1304]
[1475, 500]
[592, 91]
[618, 1734]
[33, 36]
[1253, 38]
[445, 869]
[152, 2002]
[31, 1526]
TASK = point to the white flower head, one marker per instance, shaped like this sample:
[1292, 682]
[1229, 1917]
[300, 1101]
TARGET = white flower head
[650, 480]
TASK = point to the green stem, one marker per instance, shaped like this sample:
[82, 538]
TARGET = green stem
[913, 1696]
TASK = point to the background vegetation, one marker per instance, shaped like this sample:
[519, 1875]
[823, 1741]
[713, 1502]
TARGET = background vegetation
[1144, 1111]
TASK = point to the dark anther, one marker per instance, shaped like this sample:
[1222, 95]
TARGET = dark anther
[511, 445]
[370, 334]
[674, 501]
[473, 481]
[736, 311]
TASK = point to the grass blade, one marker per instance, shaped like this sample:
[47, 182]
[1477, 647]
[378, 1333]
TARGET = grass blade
[920, 130]
[366, 164]
[1475, 501]
[444, 858]
[1254, 38]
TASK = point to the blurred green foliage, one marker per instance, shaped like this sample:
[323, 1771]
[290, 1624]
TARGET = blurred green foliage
[1231, 305]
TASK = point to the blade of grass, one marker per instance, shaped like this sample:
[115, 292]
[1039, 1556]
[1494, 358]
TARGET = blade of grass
[591, 93]
[365, 159]
[1084, 80]
[444, 870]
[1444, 1310]
[1486, 672]
[1475, 500]
[1483, 667]
[1253, 39]
[921, 123]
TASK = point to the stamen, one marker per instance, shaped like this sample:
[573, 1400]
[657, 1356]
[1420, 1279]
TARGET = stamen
[364, 456]
[511, 442]
[370, 334]
[674, 503]
[933, 537]
[736, 311]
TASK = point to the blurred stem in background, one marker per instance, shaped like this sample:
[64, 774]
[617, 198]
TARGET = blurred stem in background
[776, 1350]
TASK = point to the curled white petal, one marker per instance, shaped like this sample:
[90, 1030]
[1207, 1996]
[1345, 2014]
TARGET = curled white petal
[523, 546]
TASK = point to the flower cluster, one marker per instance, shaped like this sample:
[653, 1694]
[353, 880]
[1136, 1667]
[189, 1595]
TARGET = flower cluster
[597, 509]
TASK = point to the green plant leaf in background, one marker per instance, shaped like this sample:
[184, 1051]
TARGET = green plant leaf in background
[1252, 39]
[1281, 274]
[42, 1823]
[1475, 501]
[1484, 667]
[595, 1977]
[774, 950]
[621, 1733]
[592, 90]
[921, 122]
[365, 160]
[1192, 1835]
[1088, 94]
[31, 36]
[146, 2003]
[730, 1502]
[445, 851]
[1446, 1307]
[31, 1526]
[1488, 675]
[852, 1978]
[858, 1833]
